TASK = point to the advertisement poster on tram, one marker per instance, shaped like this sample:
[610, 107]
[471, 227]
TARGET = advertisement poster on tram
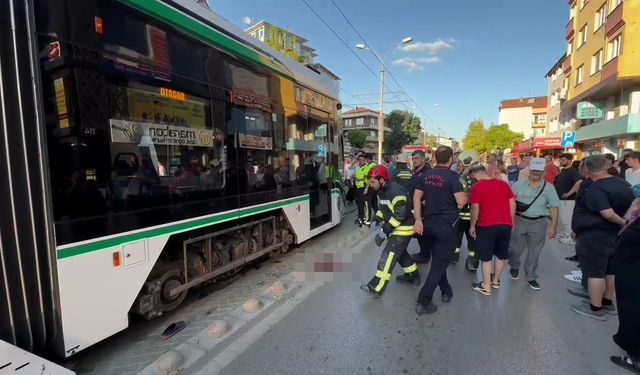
[123, 131]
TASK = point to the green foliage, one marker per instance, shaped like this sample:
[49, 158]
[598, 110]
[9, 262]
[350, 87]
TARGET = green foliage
[431, 141]
[357, 138]
[495, 137]
[283, 41]
[404, 129]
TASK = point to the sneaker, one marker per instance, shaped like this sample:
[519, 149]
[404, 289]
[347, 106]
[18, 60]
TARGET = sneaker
[626, 362]
[567, 241]
[609, 309]
[578, 292]
[577, 273]
[586, 311]
[574, 278]
[534, 285]
[480, 289]
[515, 273]
[429, 308]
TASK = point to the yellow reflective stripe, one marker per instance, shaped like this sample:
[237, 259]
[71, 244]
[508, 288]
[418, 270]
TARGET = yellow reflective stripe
[457, 250]
[385, 274]
[399, 198]
[412, 268]
[472, 253]
[405, 227]
[394, 222]
[379, 214]
[402, 233]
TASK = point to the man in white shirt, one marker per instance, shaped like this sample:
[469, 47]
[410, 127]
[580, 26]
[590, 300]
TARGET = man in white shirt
[632, 174]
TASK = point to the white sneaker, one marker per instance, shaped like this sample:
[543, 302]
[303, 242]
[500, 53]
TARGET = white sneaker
[567, 241]
[577, 273]
[574, 278]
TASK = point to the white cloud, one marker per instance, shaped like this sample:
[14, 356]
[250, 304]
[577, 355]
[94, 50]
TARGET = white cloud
[414, 65]
[431, 48]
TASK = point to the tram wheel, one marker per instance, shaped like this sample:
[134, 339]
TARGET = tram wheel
[168, 281]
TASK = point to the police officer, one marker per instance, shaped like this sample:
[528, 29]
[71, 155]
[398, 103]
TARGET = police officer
[395, 212]
[361, 181]
[402, 175]
[466, 159]
[421, 164]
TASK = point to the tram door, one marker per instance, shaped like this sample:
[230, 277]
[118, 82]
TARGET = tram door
[321, 171]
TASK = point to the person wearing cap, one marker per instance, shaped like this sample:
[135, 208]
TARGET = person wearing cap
[536, 200]
[397, 230]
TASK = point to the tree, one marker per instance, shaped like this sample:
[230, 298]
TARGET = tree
[500, 137]
[357, 138]
[496, 137]
[431, 141]
[403, 129]
[474, 139]
[283, 41]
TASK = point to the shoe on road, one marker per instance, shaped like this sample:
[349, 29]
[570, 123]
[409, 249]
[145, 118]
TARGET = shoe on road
[369, 290]
[567, 241]
[578, 292]
[480, 289]
[574, 278]
[515, 273]
[608, 309]
[626, 362]
[534, 285]
[430, 308]
[413, 278]
[573, 258]
[585, 310]
[446, 298]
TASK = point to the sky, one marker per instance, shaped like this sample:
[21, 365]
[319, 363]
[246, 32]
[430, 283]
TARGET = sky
[465, 57]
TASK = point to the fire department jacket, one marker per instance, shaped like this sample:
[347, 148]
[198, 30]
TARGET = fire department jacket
[395, 210]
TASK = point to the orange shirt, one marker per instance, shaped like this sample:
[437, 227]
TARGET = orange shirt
[551, 172]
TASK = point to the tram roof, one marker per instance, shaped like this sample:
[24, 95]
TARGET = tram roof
[208, 26]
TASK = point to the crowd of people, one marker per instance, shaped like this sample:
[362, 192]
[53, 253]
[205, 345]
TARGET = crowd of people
[592, 204]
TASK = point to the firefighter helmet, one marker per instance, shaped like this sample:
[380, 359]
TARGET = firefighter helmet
[469, 157]
[379, 171]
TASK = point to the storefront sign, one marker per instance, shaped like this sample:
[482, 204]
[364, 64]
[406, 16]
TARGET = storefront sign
[123, 131]
[553, 142]
[589, 111]
[250, 100]
[255, 142]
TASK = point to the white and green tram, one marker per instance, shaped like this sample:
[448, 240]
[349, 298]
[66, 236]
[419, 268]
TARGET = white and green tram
[148, 147]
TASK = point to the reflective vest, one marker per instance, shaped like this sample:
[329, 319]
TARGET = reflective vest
[362, 175]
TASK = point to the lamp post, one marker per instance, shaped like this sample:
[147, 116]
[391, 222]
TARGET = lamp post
[404, 41]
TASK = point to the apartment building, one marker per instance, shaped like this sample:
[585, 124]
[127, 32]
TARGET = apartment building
[556, 95]
[525, 115]
[366, 120]
[263, 30]
[602, 75]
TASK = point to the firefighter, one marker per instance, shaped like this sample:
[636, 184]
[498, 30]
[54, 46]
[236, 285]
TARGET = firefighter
[395, 212]
[466, 159]
[361, 177]
[403, 175]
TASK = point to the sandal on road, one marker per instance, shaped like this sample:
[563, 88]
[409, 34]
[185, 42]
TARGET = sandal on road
[495, 284]
[173, 329]
[480, 289]
[627, 362]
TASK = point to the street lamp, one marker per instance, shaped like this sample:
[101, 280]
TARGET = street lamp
[404, 41]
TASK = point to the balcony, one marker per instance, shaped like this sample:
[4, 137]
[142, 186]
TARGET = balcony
[569, 30]
[614, 20]
[610, 69]
[538, 125]
[566, 65]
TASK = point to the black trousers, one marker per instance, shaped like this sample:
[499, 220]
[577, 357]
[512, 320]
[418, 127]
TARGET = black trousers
[360, 202]
[424, 245]
[370, 205]
[440, 237]
[463, 230]
[394, 251]
[628, 300]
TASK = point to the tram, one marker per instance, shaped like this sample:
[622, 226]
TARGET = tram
[149, 147]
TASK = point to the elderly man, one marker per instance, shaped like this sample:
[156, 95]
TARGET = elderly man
[536, 200]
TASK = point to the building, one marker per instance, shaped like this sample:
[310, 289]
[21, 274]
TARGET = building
[556, 95]
[366, 120]
[525, 115]
[288, 40]
[602, 75]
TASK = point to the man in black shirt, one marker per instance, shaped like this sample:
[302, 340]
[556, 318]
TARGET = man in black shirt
[444, 195]
[597, 221]
[564, 182]
[420, 167]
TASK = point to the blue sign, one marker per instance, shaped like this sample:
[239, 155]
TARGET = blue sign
[321, 151]
[568, 139]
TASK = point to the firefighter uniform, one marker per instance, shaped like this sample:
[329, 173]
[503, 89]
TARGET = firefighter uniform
[362, 179]
[403, 176]
[395, 211]
[464, 224]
